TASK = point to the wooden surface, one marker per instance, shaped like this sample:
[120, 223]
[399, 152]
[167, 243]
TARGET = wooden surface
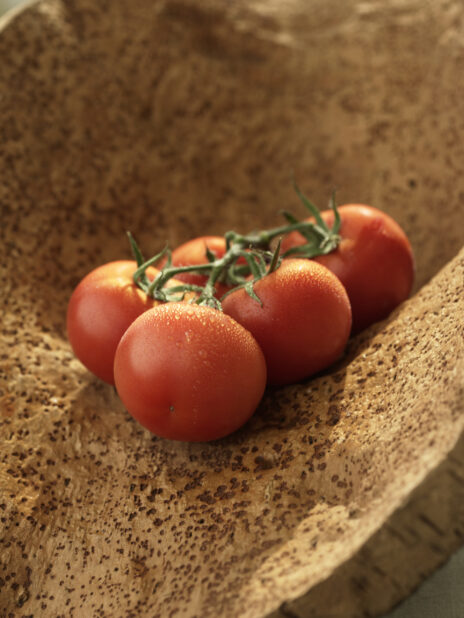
[181, 118]
[441, 594]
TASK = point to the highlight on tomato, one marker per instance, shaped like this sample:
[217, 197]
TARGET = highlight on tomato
[189, 372]
[373, 260]
[302, 321]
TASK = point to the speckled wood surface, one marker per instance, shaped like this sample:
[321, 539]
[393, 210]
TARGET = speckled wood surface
[178, 118]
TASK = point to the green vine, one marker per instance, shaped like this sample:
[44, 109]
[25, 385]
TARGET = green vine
[254, 249]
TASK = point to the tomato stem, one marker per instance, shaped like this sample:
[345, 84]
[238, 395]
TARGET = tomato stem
[253, 248]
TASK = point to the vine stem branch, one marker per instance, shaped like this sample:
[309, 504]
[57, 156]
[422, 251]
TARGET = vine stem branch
[254, 248]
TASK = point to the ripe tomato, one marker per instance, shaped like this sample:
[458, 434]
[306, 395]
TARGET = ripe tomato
[101, 308]
[374, 261]
[189, 372]
[193, 252]
[304, 321]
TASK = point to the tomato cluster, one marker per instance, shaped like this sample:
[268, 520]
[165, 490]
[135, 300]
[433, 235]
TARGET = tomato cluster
[189, 367]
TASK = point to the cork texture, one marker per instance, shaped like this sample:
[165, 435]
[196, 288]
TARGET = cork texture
[180, 118]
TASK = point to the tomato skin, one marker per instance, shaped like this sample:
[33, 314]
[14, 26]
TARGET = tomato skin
[100, 310]
[188, 372]
[304, 323]
[374, 261]
[193, 252]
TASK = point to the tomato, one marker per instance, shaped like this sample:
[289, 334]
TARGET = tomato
[304, 321]
[100, 309]
[189, 372]
[374, 261]
[193, 252]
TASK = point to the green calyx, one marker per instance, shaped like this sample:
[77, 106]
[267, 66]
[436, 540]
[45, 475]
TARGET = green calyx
[247, 259]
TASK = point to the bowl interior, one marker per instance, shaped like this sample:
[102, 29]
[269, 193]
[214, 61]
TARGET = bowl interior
[175, 119]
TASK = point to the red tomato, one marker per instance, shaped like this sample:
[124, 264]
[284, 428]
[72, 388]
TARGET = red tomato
[374, 261]
[194, 252]
[101, 308]
[304, 321]
[188, 372]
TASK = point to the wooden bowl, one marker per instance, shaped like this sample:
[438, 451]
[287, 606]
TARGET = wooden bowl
[181, 118]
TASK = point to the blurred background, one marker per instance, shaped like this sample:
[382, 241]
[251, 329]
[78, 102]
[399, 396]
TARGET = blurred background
[9, 4]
